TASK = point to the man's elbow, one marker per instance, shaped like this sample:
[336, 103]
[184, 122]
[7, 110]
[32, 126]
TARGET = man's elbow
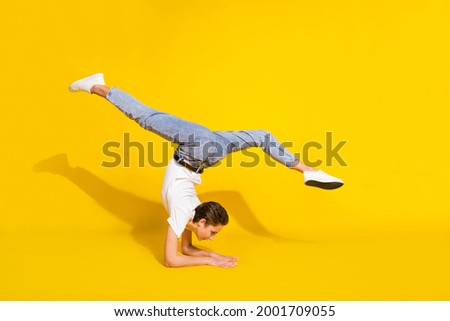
[170, 262]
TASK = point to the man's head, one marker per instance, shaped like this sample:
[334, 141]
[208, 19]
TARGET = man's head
[209, 218]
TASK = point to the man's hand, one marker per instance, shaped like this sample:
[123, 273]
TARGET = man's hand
[220, 256]
[223, 261]
[215, 259]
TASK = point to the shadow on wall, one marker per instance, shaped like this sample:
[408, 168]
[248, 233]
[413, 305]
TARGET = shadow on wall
[147, 218]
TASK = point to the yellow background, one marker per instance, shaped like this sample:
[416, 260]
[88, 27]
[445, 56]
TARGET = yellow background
[375, 73]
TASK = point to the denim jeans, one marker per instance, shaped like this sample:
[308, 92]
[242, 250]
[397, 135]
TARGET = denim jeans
[198, 146]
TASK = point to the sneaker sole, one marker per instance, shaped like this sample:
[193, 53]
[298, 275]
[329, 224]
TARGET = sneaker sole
[324, 185]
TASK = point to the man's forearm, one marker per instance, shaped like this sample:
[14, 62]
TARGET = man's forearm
[195, 251]
[180, 260]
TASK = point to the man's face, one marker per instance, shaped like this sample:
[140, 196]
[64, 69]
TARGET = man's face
[207, 232]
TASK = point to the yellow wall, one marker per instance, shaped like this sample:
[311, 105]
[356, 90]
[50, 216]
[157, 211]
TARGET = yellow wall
[375, 73]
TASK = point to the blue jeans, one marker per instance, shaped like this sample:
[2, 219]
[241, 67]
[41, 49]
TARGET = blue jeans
[198, 146]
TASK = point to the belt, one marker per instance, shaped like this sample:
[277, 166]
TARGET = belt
[187, 165]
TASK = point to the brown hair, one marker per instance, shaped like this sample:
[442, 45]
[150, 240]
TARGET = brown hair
[212, 212]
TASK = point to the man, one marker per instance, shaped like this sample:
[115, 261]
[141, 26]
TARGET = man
[198, 149]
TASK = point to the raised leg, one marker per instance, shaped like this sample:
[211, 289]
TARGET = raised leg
[239, 140]
[163, 124]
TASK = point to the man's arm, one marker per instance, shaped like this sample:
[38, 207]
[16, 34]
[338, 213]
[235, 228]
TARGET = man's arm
[188, 249]
[174, 259]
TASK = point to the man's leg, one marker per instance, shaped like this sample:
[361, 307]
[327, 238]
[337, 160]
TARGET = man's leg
[163, 124]
[239, 140]
[100, 90]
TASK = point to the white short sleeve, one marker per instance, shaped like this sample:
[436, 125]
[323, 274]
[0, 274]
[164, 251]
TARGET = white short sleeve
[179, 217]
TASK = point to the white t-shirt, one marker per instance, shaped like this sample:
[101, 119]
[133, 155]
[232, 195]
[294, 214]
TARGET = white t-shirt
[179, 195]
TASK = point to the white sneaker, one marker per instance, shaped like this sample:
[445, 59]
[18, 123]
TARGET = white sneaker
[322, 180]
[85, 84]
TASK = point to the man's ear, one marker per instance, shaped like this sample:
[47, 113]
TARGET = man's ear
[202, 221]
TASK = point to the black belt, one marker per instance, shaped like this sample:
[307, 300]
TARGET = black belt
[185, 164]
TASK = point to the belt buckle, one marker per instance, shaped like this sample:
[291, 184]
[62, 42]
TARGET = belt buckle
[186, 164]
